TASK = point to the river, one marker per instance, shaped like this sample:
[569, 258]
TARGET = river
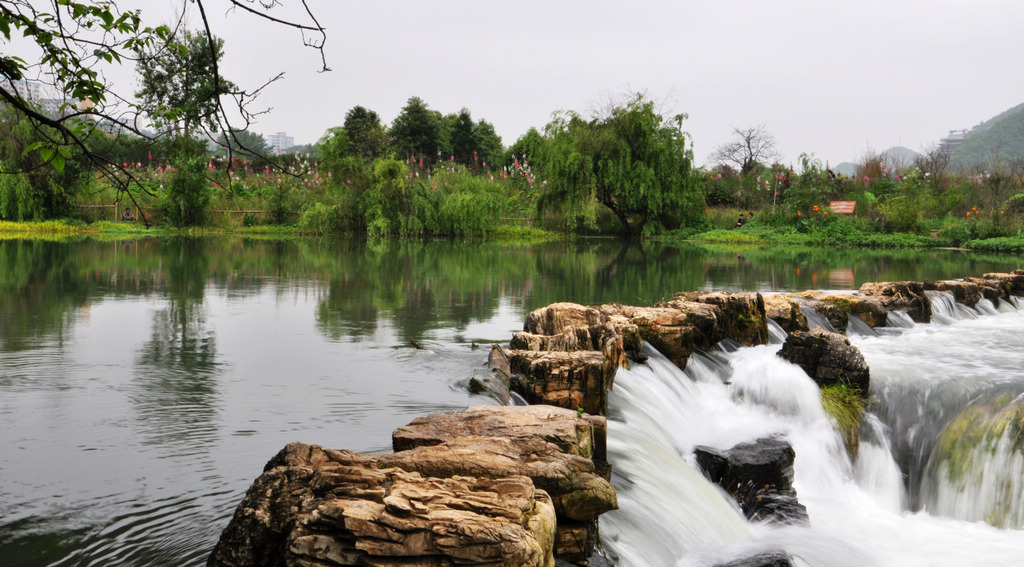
[144, 384]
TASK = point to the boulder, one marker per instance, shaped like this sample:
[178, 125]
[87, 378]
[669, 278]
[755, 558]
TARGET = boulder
[767, 559]
[837, 307]
[828, 358]
[784, 311]
[991, 289]
[901, 296]
[496, 383]
[573, 380]
[759, 476]
[676, 330]
[559, 449]
[743, 315]
[578, 490]
[1014, 280]
[831, 311]
[315, 507]
[557, 317]
[968, 293]
[617, 339]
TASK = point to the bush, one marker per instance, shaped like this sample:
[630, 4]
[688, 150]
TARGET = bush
[188, 195]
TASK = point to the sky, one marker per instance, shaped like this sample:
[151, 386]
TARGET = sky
[837, 79]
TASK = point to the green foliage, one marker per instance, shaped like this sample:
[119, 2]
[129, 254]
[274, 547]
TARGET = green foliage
[179, 85]
[632, 161]
[416, 132]
[17, 200]
[845, 404]
[188, 196]
[365, 133]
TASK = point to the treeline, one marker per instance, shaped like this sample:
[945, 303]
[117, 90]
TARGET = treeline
[628, 169]
[427, 173]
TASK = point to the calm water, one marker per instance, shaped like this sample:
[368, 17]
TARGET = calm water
[144, 385]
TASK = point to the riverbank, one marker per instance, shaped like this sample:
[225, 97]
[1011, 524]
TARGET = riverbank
[745, 236]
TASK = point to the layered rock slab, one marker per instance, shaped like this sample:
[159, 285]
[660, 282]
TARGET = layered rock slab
[319, 507]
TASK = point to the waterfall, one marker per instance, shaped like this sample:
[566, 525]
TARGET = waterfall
[888, 507]
[945, 309]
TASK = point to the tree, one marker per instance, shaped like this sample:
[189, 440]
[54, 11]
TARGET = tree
[750, 147]
[71, 42]
[364, 132]
[416, 131]
[488, 143]
[631, 160]
[242, 142]
[181, 89]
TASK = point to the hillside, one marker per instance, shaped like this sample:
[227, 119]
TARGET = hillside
[998, 139]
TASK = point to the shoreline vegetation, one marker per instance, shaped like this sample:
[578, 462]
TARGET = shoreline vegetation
[626, 170]
[751, 235]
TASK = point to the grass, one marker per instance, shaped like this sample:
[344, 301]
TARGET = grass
[845, 404]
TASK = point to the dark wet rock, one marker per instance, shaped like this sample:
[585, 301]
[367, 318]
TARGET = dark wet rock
[785, 311]
[828, 358]
[767, 559]
[314, 507]
[743, 313]
[968, 293]
[908, 297]
[759, 476]
[838, 307]
[836, 316]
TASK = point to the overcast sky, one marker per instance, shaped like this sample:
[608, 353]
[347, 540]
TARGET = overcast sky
[834, 78]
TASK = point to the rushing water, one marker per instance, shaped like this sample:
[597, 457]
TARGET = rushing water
[143, 385]
[875, 511]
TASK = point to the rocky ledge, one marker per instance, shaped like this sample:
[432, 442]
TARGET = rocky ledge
[488, 486]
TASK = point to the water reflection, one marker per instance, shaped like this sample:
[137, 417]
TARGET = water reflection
[144, 384]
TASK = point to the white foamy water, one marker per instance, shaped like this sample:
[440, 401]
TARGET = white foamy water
[868, 512]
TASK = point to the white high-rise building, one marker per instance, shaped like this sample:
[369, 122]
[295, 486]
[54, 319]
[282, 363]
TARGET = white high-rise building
[28, 90]
[280, 141]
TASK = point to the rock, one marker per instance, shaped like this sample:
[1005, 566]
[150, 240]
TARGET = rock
[784, 311]
[967, 475]
[828, 358]
[617, 339]
[992, 289]
[759, 476]
[581, 435]
[901, 296]
[573, 380]
[577, 488]
[832, 312]
[1015, 280]
[557, 448]
[968, 293]
[557, 317]
[837, 307]
[675, 330]
[743, 314]
[497, 380]
[767, 559]
[314, 507]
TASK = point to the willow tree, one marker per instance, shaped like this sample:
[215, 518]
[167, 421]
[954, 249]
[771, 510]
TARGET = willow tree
[632, 160]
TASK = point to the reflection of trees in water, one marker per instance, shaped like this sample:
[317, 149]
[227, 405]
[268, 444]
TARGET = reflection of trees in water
[30, 309]
[174, 390]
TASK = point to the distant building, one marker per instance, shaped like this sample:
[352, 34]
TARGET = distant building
[280, 142]
[954, 140]
[30, 91]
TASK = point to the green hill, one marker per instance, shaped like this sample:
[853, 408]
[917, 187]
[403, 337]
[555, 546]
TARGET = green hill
[998, 139]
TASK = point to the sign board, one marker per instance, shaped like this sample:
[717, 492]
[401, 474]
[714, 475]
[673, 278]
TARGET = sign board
[842, 207]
